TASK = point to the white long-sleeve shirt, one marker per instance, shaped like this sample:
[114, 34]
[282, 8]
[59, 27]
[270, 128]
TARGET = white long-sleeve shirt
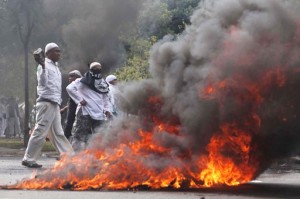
[49, 82]
[97, 103]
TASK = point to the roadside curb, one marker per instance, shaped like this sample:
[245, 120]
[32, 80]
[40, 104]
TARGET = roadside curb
[8, 152]
[11, 152]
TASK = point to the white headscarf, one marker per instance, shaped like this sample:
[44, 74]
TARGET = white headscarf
[114, 93]
[110, 78]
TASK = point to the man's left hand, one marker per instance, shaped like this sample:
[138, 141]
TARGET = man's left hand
[108, 114]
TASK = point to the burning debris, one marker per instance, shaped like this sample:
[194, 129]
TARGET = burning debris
[222, 105]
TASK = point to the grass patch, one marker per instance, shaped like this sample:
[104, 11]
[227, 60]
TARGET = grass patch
[18, 143]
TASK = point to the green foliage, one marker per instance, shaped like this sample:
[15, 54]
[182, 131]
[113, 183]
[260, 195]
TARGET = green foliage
[180, 12]
[162, 17]
[154, 20]
[137, 65]
[159, 18]
[135, 69]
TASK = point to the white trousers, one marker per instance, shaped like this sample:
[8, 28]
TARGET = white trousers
[48, 123]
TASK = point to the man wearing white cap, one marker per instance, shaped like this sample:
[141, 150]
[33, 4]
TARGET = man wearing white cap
[91, 93]
[114, 93]
[71, 107]
[48, 118]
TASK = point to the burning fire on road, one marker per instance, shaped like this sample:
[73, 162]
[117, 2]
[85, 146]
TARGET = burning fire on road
[223, 104]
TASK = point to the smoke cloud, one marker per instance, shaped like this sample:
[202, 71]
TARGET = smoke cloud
[235, 42]
[91, 29]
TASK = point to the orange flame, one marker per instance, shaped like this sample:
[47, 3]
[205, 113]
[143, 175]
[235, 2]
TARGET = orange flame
[124, 166]
[223, 170]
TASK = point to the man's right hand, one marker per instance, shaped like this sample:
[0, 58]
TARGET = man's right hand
[39, 57]
[39, 61]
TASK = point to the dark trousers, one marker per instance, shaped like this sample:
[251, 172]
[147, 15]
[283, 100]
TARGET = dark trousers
[70, 118]
[83, 129]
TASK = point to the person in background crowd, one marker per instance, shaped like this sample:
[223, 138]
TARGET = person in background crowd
[113, 93]
[48, 117]
[91, 95]
[71, 107]
[13, 128]
[3, 113]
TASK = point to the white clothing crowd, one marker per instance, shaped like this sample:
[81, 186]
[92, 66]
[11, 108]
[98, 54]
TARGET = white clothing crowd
[92, 95]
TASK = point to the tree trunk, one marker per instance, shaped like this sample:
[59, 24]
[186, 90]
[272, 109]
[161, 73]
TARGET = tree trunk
[26, 95]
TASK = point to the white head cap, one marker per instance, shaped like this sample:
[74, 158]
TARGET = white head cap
[50, 46]
[75, 72]
[110, 78]
[93, 64]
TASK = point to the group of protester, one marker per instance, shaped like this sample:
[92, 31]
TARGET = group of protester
[91, 104]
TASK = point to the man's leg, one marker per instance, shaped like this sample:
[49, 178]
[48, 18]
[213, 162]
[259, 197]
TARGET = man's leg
[97, 125]
[81, 131]
[56, 135]
[1, 128]
[17, 127]
[9, 131]
[44, 117]
[69, 124]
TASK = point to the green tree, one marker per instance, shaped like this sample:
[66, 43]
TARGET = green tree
[24, 16]
[137, 65]
[154, 20]
[157, 19]
[162, 17]
[180, 12]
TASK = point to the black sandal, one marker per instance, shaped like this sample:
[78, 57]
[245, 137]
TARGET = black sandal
[31, 164]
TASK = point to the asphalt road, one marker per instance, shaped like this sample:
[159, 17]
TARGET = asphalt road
[280, 182]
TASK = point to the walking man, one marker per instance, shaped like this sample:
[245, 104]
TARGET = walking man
[71, 107]
[91, 93]
[48, 118]
[3, 113]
